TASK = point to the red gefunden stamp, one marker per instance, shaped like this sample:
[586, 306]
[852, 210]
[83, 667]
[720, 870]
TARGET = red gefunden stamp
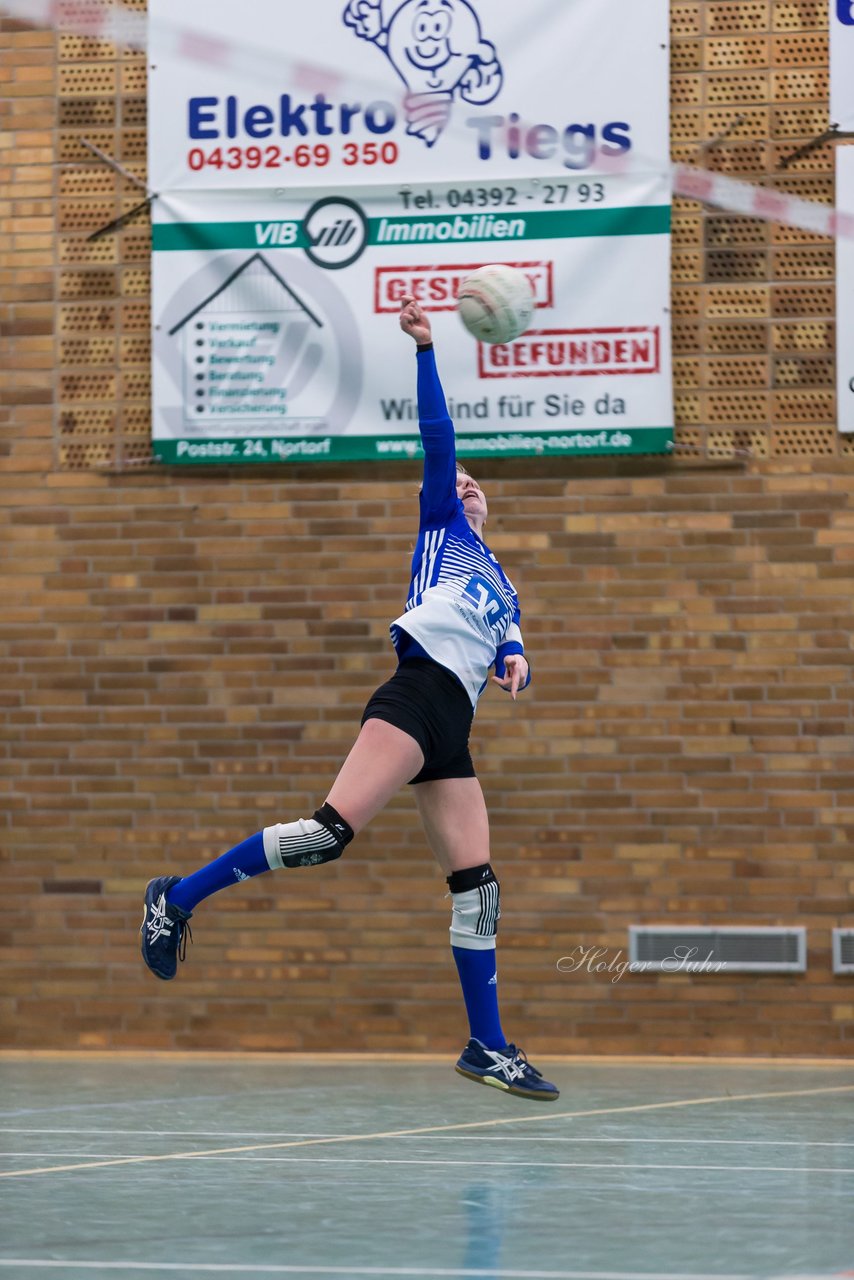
[436, 287]
[585, 353]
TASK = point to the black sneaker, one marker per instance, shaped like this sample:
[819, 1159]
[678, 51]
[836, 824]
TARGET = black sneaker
[507, 1069]
[164, 929]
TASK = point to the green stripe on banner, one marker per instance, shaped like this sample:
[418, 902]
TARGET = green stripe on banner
[228, 235]
[405, 448]
[549, 224]
[457, 228]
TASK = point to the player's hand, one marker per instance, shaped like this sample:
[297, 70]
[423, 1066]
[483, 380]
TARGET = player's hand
[516, 673]
[414, 321]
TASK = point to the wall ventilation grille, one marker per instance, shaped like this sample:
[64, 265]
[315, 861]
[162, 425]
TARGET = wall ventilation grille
[719, 949]
[843, 951]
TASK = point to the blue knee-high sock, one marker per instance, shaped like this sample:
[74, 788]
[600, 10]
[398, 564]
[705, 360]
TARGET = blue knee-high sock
[479, 981]
[240, 863]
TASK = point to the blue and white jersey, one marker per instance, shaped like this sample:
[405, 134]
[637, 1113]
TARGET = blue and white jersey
[462, 609]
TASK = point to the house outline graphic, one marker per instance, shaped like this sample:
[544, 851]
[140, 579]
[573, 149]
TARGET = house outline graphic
[256, 257]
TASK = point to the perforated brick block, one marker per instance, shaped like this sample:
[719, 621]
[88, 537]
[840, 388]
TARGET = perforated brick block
[685, 20]
[737, 443]
[804, 371]
[799, 15]
[804, 336]
[736, 17]
[736, 264]
[722, 373]
[731, 231]
[805, 442]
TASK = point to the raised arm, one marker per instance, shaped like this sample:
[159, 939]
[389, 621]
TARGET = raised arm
[439, 490]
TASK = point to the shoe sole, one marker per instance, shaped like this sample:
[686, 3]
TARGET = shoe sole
[509, 1088]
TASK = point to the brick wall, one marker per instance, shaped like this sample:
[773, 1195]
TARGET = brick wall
[184, 656]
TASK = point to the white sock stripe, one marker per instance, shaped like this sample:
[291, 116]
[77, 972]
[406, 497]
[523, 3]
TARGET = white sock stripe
[299, 844]
[492, 918]
[487, 923]
[322, 834]
[479, 929]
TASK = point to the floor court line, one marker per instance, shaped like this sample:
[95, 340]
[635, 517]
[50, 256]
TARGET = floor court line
[171, 1133]
[476, 1164]
[417, 1273]
[439, 1137]
[406, 1057]
[493, 1122]
[427, 1273]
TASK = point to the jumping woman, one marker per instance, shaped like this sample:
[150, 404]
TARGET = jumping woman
[461, 618]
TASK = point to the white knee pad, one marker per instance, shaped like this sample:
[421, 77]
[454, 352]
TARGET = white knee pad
[476, 908]
[308, 841]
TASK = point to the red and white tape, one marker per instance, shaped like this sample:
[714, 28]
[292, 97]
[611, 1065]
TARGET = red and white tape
[760, 202]
[103, 21]
[118, 25]
[127, 28]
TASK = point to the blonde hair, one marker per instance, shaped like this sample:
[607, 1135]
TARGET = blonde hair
[460, 468]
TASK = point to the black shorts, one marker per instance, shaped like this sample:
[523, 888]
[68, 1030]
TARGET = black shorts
[426, 701]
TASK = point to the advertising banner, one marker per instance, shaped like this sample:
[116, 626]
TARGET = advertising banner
[310, 175]
[842, 63]
[845, 294]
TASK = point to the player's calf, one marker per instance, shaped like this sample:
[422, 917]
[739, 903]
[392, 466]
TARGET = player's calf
[170, 900]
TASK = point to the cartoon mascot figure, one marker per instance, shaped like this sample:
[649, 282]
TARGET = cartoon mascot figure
[435, 46]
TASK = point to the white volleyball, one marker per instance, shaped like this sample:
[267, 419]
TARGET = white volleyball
[496, 303]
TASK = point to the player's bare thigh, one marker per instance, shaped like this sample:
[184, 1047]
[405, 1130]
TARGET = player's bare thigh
[455, 820]
[382, 760]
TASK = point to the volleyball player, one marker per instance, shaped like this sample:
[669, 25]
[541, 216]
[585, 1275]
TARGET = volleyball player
[461, 618]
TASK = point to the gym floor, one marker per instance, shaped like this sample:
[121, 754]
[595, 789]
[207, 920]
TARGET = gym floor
[396, 1166]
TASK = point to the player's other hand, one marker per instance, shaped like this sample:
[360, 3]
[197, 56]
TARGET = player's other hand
[515, 674]
[414, 321]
